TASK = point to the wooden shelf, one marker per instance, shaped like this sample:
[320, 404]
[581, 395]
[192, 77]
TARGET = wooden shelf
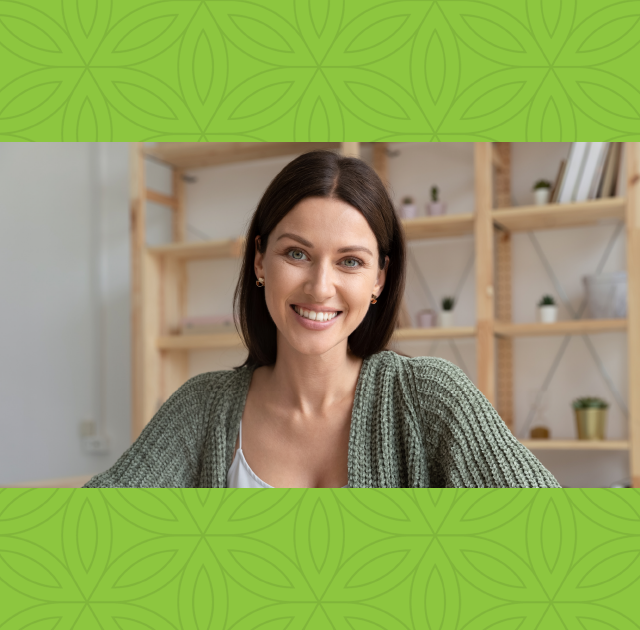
[231, 248]
[199, 342]
[570, 327]
[559, 215]
[438, 227]
[417, 334]
[201, 154]
[576, 445]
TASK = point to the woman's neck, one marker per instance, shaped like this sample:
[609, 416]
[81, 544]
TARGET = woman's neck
[314, 384]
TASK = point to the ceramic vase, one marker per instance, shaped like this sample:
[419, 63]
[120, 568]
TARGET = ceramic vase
[436, 208]
[548, 314]
[408, 211]
[591, 423]
[426, 319]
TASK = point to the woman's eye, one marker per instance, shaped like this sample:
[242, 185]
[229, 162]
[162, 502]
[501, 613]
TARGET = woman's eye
[296, 254]
[351, 262]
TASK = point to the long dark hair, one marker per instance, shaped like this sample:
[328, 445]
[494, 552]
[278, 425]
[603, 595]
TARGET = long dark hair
[328, 175]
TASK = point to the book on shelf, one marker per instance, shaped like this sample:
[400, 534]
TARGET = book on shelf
[590, 172]
[207, 325]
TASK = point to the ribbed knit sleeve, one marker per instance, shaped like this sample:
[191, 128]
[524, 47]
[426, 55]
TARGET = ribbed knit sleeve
[468, 444]
[168, 452]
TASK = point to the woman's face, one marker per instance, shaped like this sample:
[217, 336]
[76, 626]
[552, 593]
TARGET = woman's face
[320, 269]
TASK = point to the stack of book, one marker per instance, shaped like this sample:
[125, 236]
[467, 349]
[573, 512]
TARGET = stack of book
[207, 325]
[590, 172]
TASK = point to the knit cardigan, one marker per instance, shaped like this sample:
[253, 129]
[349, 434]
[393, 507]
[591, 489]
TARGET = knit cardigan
[416, 423]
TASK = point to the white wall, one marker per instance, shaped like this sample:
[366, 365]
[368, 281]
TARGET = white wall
[65, 327]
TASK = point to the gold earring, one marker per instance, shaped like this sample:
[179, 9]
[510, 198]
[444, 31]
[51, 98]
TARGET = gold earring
[260, 282]
[373, 299]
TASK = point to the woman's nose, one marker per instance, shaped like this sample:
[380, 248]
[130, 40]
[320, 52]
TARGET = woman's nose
[320, 284]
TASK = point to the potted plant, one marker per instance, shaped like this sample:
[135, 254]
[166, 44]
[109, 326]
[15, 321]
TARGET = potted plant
[446, 315]
[541, 191]
[547, 310]
[408, 208]
[436, 207]
[591, 417]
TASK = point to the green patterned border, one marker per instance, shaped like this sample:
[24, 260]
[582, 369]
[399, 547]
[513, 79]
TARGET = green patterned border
[359, 559]
[321, 70]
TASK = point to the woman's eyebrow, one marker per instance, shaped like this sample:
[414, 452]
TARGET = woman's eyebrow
[306, 243]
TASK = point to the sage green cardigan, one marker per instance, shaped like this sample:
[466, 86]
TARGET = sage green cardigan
[416, 423]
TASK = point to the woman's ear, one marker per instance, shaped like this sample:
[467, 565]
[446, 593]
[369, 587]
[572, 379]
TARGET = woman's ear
[258, 259]
[382, 276]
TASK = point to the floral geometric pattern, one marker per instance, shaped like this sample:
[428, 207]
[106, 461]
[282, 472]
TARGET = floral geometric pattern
[201, 559]
[327, 70]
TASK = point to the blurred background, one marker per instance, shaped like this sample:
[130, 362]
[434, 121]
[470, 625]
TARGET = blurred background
[66, 338]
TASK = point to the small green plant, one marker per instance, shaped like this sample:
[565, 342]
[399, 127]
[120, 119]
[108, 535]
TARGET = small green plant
[447, 303]
[542, 183]
[589, 402]
[407, 200]
[547, 300]
[434, 193]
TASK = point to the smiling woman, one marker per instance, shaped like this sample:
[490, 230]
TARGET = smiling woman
[319, 402]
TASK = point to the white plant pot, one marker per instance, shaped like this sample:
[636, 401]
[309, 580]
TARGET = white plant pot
[436, 208]
[446, 319]
[541, 196]
[408, 210]
[548, 314]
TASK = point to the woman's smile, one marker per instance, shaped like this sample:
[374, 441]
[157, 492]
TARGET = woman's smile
[315, 320]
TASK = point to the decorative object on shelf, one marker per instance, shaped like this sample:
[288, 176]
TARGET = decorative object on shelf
[607, 295]
[541, 192]
[446, 315]
[435, 207]
[207, 325]
[408, 209]
[426, 318]
[540, 433]
[547, 310]
[591, 417]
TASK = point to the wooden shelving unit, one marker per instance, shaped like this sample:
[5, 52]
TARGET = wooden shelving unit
[159, 278]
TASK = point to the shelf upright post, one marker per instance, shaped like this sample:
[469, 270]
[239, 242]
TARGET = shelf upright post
[145, 291]
[633, 305]
[485, 348]
[175, 363]
[504, 345]
[380, 161]
[350, 149]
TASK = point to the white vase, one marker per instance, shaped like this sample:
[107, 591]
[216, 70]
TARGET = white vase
[541, 196]
[436, 208]
[548, 314]
[408, 211]
[446, 319]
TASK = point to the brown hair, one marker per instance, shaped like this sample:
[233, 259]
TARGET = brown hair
[328, 175]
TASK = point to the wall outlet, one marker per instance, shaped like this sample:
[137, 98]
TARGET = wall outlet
[95, 444]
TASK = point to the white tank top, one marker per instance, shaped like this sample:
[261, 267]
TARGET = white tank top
[240, 474]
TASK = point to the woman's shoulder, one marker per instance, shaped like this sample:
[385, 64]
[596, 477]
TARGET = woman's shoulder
[225, 383]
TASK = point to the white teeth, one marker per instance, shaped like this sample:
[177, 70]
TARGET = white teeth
[313, 316]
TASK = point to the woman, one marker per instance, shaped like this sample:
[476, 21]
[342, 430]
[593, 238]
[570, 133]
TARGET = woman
[319, 402]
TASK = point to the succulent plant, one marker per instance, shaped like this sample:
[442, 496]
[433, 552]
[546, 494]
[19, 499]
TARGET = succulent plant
[547, 300]
[434, 193]
[407, 200]
[447, 303]
[589, 402]
[542, 183]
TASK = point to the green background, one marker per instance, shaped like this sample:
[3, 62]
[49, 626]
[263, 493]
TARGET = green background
[321, 70]
[134, 70]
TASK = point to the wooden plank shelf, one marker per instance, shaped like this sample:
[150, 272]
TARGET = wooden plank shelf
[438, 227]
[200, 154]
[559, 215]
[229, 248]
[569, 327]
[418, 334]
[199, 342]
[576, 445]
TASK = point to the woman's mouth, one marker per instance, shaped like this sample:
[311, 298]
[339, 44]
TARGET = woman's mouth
[315, 320]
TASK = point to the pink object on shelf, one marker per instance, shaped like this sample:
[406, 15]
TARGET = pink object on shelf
[426, 319]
